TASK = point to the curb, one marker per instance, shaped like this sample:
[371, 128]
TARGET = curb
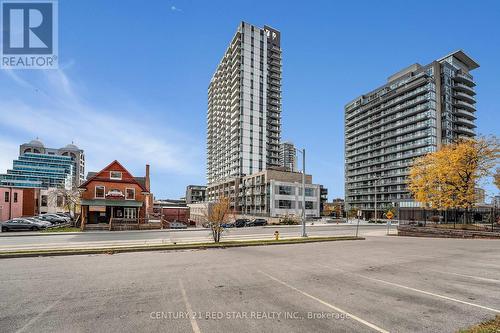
[17, 234]
[171, 247]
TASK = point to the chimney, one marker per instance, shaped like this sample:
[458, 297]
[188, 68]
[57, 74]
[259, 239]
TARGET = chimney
[147, 177]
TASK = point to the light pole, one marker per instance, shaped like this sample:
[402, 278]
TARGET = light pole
[303, 151]
[375, 184]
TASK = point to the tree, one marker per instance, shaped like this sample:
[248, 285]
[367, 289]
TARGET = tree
[448, 178]
[496, 178]
[220, 213]
[69, 199]
[353, 212]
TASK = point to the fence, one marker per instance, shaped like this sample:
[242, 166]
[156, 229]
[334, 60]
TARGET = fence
[483, 219]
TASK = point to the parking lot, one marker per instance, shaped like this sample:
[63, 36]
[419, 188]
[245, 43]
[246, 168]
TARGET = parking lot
[384, 284]
[36, 223]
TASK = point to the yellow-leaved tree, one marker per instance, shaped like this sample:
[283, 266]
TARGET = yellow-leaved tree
[448, 177]
[496, 178]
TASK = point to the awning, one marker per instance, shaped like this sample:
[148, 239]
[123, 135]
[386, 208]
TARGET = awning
[114, 203]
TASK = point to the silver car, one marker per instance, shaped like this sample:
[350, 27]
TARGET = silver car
[21, 224]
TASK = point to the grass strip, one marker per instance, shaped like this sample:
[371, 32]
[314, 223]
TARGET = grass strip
[491, 326]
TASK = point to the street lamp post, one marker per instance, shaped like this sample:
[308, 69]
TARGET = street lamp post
[375, 183]
[303, 151]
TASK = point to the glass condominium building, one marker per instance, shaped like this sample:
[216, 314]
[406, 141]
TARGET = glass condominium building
[244, 106]
[35, 170]
[416, 112]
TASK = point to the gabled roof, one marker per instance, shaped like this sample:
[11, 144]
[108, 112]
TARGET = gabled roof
[91, 176]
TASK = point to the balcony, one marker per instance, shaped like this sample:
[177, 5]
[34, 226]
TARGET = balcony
[466, 122]
[464, 97]
[464, 78]
[465, 130]
[464, 88]
[464, 105]
[465, 113]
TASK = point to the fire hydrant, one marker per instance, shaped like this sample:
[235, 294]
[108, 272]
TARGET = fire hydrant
[276, 235]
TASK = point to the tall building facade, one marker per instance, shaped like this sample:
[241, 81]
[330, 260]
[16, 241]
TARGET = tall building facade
[35, 170]
[416, 112]
[244, 106]
[195, 193]
[288, 156]
[76, 154]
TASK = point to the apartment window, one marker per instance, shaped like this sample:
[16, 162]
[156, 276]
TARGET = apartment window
[130, 194]
[285, 204]
[44, 201]
[309, 192]
[60, 201]
[99, 192]
[309, 205]
[117, 175]
[285, 190]
[6, 197]
[15, 197]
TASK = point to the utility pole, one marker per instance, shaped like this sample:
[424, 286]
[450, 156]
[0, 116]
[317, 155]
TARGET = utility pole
[304, 234]
[303, 151]
[375, 184]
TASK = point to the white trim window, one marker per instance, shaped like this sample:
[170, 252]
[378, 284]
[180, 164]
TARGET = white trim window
[100, 192]
[130, 213]
[115, 175]
[130, 194]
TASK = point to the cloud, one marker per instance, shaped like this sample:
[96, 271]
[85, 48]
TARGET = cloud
[56, 113]
[175, 9]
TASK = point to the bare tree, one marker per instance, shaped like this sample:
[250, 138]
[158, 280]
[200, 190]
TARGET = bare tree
[219, 213]
[67, 199]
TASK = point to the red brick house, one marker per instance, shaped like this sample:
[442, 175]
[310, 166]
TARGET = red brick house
[113, 195]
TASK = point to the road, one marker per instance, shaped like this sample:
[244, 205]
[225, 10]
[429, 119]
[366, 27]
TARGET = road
[20, 241]
[382, 284]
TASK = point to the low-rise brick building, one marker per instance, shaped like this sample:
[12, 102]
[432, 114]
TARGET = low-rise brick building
[113, 195]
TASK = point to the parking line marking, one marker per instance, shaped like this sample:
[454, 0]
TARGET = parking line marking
[419, 290]
[38, 316]
[469, 276]
[194, 324]
[362, 321]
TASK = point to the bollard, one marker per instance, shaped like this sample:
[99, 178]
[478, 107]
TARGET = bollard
[276, 235]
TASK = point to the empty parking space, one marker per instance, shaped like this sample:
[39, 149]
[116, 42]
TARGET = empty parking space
[384, 284]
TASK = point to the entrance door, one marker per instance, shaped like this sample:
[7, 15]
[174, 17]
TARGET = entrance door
[130, 213]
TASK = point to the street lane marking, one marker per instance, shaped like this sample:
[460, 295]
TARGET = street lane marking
[38, 316]
[362, 321]
[469, 276]
[194, 324]
[418, 290]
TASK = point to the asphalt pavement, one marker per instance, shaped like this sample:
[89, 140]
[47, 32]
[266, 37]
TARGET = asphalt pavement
[382, 284]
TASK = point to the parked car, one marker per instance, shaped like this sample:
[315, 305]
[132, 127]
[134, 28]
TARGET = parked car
[228, 225]
[257, 222]
[65, 216]
[39, 221]
[54, 219]
[240, 223]
[21, 224]
[177, 225]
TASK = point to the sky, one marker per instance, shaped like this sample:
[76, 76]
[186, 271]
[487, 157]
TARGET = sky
[133, 76]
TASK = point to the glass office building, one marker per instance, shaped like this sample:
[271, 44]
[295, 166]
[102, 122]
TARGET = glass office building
[34, 170]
